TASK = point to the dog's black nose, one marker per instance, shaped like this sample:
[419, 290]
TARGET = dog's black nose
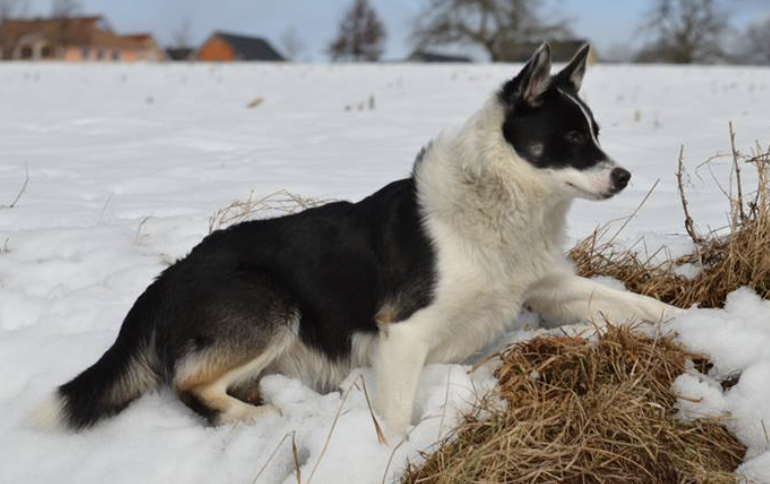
[620, 178]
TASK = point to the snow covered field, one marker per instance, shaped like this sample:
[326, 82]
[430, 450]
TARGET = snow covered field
[127, 163]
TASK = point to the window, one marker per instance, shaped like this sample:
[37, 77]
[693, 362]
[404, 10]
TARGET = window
[116, 55]
[100, 54]
[26, 52]
[46, 52]
[85, 53]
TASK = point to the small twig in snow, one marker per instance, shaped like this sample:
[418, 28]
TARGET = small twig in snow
[295, 453]
[377, 428]
[390, 459]
[737, 168]
[275, 451]
[639, 207]
[336, 419]
[688, 223]
[21, 192]
[104, 208]
[139, 235]
[446, 402]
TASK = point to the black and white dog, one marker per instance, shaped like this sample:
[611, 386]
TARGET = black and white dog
[428, 269]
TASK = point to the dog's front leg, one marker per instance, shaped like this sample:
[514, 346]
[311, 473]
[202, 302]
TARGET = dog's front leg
[398, 362]
[565, 298]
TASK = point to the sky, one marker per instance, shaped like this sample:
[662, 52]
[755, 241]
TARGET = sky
[606, 23]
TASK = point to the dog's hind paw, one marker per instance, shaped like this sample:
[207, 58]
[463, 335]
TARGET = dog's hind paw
[248, 414]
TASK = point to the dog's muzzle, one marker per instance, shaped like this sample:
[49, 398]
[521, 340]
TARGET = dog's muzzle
[620, 178]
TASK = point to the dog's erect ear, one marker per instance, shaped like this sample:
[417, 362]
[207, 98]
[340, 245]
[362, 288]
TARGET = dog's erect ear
[572, 75]
[532, 82]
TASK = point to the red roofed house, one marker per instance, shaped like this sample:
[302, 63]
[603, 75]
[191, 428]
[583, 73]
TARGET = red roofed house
[74, 39]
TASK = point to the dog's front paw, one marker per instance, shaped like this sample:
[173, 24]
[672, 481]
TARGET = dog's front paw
[655, 311]
[666, 312]
[396, 423]
[396, 431]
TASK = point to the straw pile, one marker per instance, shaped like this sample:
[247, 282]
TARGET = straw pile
[585, 412]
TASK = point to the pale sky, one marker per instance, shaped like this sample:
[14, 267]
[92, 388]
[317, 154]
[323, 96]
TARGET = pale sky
[606, 23]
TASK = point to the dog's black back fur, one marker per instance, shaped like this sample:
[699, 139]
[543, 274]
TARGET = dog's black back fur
[373, 252]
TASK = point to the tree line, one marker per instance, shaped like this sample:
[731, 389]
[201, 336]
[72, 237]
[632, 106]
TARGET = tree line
[671, 31]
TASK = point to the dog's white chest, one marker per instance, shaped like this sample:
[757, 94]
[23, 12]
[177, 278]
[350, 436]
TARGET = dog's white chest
[479, 294]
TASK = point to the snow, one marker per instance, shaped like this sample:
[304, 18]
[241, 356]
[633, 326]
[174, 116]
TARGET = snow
[737, 341]
[127, 163]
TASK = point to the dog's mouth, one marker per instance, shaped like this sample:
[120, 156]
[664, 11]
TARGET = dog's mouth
[592, 195]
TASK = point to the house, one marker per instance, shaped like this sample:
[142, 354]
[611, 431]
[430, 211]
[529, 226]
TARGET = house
[153, 51]
[426, 56]
[179, 53]
[74, 39]
[226, 47]
[561, 50]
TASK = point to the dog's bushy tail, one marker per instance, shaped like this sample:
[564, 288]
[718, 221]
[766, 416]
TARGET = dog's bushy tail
[121, 375]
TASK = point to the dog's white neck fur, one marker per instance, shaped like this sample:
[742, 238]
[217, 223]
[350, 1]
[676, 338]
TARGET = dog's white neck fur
[498, 226]
[473, 182]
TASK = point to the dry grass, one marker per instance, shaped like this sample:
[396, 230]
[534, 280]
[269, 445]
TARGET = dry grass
[281, 202]
[726, 261]
[585, 412]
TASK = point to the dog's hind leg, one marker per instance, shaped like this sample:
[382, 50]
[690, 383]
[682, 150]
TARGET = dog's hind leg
[205, 380]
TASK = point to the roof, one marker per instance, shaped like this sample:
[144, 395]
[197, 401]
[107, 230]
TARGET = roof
[138, 37]
[425, 56]
[250, 48]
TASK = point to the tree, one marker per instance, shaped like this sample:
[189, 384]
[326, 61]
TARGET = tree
[65, 8]
[685, 31]
[756, 43]
[494, 25]
[361, 35]
[292, 44]
[181, 37]
[13, 9]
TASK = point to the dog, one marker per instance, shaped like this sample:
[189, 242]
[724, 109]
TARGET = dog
[428, 269]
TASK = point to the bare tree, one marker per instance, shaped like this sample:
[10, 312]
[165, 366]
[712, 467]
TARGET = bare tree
[65, 8]
[181, 37]
[292, 44]
[361, 35]
[13, 9]
[685, 31]
[496, 26]
[755, 46]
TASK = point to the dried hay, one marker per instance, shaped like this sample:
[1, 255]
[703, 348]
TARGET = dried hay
[581, 411]
[281, 202]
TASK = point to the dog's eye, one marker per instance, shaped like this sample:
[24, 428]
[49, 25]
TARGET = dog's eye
[575, 137]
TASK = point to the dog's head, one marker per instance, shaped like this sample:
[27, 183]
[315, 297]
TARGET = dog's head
[552, 129]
